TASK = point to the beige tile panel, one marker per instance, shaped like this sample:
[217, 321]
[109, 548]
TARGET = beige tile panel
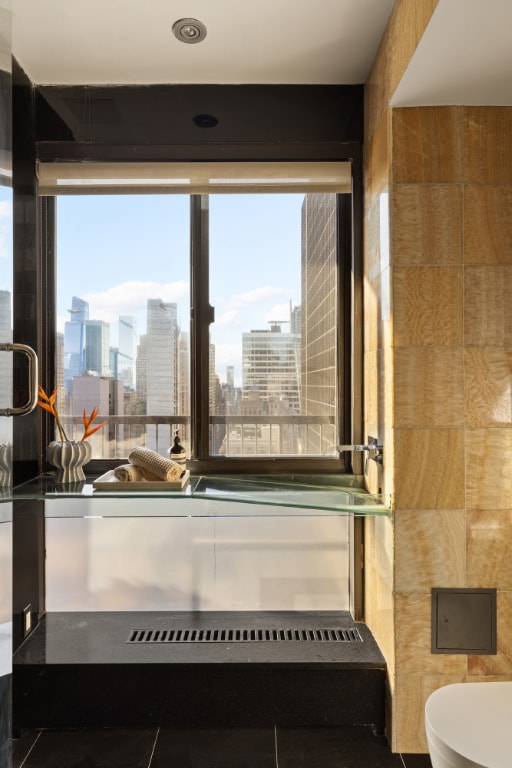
[487, 305]
[427, 144]
[379, 599]
[377, 312]
[488, 468]
[411, 694]
[430, 549]
[429, 468]
[489, 548]
[388, 475]
[427, 224]
[427, 306]
[378, 399]
[373, 392]
[377, 160]
[406, 25]
[487, 224]
[424, 11]
[501, 663]
[413, 639]
[400, 40]
[376, 237]
[429, 387]
[488, 143]
[488, 386]
[372, 261]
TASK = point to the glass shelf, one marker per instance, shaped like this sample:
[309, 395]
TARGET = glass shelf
[242, 495]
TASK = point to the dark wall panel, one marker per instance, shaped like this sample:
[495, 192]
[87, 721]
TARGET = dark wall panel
[184, 122]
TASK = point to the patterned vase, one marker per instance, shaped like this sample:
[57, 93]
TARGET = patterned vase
[68, 457]
[5, 464]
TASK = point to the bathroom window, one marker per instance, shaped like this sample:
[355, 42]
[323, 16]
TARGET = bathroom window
[220, 316]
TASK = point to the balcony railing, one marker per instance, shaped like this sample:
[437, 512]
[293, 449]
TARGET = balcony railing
[229, 435]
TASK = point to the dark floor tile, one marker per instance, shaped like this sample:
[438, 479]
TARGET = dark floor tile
[93, 748]
[215, 748]
[333, 748]
[417, 761]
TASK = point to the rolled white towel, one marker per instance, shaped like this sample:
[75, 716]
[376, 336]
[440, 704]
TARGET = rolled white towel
[130, 473]
[164, 469]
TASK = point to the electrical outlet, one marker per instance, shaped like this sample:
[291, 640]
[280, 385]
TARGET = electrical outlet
[27, 619]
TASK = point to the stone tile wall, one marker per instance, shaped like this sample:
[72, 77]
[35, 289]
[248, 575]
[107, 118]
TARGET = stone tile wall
[438, 372]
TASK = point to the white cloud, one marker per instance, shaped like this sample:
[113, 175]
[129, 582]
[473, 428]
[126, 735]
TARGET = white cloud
[279, 312]
[130, 298]
[5, 229]
[231, 317]
[6, 210]
[240, 300]
[229, 354]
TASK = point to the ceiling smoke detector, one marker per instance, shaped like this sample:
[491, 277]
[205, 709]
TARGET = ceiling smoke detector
[189, 30]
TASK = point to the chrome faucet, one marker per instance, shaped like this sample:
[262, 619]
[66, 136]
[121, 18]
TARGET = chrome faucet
[374, 448]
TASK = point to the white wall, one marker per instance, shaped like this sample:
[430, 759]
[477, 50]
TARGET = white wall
[196, 562]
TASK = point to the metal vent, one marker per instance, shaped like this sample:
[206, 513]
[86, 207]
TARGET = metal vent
[244, 635]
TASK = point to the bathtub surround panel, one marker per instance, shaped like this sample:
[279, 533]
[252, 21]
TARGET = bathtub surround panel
[447, 172]
[77, 670]
[98, 563]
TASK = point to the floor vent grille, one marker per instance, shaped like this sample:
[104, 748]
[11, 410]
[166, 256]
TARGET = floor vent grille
[244, 636]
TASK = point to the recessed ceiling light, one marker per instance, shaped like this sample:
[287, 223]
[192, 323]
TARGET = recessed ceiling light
[189, 30]
[205, 121]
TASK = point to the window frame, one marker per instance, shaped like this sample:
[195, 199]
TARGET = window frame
[349, 341]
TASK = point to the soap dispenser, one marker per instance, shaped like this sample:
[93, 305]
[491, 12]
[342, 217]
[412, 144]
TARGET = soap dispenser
[177, 452]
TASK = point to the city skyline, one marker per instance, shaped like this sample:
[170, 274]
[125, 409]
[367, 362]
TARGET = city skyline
[137, 247]
[86, 352]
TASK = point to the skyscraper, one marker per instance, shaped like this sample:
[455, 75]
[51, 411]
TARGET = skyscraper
[319, 320]
[270, 366]
[126, 350]
[161, 363]
[97, 347]
[74, 340]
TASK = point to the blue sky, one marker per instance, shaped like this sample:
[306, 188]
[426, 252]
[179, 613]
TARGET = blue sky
[5, 239]
[117, 251]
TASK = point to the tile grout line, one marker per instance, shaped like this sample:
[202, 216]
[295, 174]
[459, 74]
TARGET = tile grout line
[30, 750]
[154, 747]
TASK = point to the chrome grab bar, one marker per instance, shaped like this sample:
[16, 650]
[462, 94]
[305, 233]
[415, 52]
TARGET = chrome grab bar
[29, 406]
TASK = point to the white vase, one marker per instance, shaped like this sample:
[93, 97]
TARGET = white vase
[69, 458]
[5, 465]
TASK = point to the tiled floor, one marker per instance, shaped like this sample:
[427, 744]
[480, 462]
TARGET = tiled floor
[209, 748]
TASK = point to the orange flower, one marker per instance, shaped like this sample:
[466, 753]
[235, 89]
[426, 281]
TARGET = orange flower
[48, 404]
[88, 430]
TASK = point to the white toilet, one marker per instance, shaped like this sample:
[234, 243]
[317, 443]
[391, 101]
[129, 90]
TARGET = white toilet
[469, 725]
